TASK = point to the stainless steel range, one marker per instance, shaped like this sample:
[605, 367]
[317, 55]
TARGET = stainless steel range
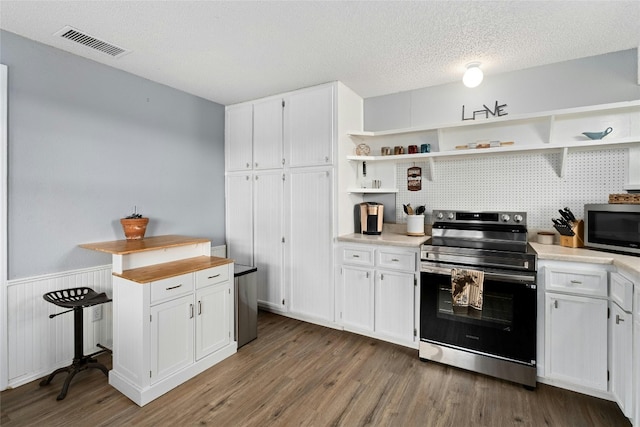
[478, 294]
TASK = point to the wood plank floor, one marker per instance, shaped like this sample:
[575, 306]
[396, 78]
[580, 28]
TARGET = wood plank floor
[299, 374]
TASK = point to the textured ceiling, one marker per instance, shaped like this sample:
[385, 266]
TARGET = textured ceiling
[230, 52]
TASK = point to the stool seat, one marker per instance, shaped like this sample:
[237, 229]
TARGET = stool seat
[75, 299]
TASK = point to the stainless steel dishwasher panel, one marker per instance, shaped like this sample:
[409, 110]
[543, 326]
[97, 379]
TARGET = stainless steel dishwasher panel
[246, 304]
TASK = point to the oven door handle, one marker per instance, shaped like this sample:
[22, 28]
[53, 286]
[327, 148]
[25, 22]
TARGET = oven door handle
[446, 271]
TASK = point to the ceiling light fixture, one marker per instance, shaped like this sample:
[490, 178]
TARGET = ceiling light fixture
[473, 76]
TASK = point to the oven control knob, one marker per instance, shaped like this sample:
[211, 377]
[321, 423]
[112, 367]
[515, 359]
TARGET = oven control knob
[451, 215]
[505, 218]
[517, 218]
[440, 215]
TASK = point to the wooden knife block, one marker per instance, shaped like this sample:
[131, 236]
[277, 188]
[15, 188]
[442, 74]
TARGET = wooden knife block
[577, 240]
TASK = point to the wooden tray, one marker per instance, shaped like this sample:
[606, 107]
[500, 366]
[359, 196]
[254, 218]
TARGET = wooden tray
[624, 198]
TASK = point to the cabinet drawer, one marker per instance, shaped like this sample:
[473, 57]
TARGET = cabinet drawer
[397, 260]
[582, 282]
[211, 276]
[172, 287]
[621, 291]
[357, 256]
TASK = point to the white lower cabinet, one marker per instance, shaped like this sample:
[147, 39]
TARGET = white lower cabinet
[171, 337]
[268, 237]
[309, 260]
[239, 219]
[357, 287]
[591, 340]
[169, 330]
[621, 344]
[621, 325]
[378, 292]
[576, 340]
[636, 363]
[394, 305]
[575, 326]
[214, 311]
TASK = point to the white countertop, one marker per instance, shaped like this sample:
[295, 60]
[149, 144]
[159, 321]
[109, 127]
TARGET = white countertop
[395, 235]
[561, 253]
[392, 235]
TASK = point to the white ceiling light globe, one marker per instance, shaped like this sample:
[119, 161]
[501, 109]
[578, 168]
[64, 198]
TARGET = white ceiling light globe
[473, 76]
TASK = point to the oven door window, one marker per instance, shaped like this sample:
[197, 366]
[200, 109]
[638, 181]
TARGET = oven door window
[505, 327]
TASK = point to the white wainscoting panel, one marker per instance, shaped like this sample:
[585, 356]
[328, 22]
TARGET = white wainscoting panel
[36, 344]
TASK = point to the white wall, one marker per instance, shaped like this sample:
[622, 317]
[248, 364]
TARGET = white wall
[588, 81]
[525, 181]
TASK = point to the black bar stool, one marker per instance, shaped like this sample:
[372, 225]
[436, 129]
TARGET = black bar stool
[76, 299]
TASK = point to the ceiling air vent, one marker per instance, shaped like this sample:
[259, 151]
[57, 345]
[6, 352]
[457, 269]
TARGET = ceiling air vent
[78, 36]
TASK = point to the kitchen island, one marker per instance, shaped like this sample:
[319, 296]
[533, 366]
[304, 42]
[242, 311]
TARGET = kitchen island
[172, 312]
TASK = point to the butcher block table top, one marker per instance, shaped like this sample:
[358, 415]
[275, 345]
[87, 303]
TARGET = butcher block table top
[162, 270]
[165, 270]
[123, 247]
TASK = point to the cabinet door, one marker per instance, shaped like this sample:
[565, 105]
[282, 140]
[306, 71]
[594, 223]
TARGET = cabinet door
[213, 315]
[267, 134]
[309, 251]
[309, 127]
[394, 299]
[239, 137]
[621, 350]
[268, 237]
[636, 370]
[239, 218]
[576, 340]
[171, 337]
[357, 289]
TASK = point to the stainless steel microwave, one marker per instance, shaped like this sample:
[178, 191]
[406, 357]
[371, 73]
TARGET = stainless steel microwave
[613, 227]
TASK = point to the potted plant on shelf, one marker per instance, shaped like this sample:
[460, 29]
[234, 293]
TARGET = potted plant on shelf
[134, 226]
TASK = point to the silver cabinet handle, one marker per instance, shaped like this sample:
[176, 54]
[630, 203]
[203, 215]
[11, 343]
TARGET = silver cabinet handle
[619, 319]
[199, 308]
[248, 165]
[395, 260]
[256, 164]
[356, 256]
[191, 310]
[576, 282]
[367, 274]
[213, 277]
[555, 304]
[382, 277]
[173, 287]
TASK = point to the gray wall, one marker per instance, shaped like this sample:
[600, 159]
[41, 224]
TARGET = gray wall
[86, 143]
[595, 80]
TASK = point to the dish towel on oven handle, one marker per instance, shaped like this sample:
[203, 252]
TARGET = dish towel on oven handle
[466, 289]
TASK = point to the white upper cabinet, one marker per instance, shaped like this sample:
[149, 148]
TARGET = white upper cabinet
[267, 134]
[309, 126]
[239, 137]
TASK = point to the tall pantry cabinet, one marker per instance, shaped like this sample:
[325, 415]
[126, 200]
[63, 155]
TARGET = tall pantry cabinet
[283, 160]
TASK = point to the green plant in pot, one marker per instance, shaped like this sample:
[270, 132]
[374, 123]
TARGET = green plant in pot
[134, 225]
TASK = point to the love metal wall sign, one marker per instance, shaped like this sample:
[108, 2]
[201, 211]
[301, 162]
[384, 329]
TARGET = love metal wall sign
[498, 111]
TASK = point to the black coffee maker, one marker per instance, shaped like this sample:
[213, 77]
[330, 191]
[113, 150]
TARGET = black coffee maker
[369, 217]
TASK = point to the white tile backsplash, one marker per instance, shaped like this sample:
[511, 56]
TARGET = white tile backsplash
[519, 182]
